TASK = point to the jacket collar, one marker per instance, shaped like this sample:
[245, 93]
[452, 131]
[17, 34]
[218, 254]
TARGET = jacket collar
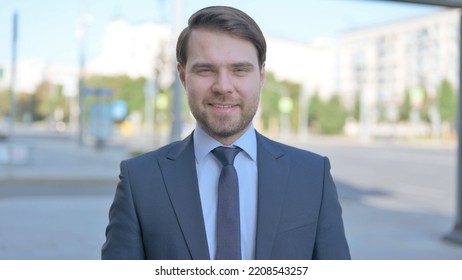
[179, 172]
[180, 176]
[273, 170]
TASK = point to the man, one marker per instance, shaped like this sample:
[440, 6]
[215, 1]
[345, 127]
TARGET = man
[168, 203]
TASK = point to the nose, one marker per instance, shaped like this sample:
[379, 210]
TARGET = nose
[223, 83]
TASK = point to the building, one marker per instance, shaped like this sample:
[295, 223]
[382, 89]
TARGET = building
[382, 63]
[312, 65]
[143, 50]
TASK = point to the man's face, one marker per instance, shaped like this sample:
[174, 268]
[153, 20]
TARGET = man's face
[223, 80]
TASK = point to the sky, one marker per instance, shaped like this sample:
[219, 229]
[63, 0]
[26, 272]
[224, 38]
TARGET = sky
[47, 28]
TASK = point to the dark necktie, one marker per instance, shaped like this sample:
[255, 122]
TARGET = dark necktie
[228, 225]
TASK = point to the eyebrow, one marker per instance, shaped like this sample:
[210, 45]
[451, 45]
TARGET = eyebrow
[201, 65]
[243, 64]
[210, 65]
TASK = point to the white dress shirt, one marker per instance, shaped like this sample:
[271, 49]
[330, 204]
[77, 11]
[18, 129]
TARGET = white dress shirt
[208, 171]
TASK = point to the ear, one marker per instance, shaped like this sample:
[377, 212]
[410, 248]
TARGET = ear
[181, 73]
[262, 75]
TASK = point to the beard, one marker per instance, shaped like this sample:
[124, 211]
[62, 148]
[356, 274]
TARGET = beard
[225, 126]
[222, 127]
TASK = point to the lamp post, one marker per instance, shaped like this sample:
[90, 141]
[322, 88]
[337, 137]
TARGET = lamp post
[84, 21]
[177, 87]
[455, 235]
[12, 93]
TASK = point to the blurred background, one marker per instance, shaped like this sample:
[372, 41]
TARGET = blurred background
[373, 85]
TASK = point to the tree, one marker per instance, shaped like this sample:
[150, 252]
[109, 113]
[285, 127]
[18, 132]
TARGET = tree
[327, 117]
[125, 88]
[42, 103]
[356, 111]
[4, 103]
[405, 108]
[426, 104]
[332, 117]
[26, 105]
[293, 91]
[42, 95]
[447, 102]
[314, 108]
[269, 100]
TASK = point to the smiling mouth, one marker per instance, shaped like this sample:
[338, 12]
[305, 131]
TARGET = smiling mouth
[223, 106]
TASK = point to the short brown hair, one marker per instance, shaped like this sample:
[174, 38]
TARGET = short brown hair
[225, 19]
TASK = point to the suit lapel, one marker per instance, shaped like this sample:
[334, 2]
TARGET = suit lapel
[179, 172]
[273, 169]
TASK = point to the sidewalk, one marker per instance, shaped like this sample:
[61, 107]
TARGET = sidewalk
[61, 212]
[55, 204]
[60, 158]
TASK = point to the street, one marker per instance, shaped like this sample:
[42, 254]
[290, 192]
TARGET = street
[398, 199]
[397, 177]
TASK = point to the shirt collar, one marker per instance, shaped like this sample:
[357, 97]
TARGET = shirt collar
[203, 143]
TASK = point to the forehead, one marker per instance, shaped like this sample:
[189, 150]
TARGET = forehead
[211, 45]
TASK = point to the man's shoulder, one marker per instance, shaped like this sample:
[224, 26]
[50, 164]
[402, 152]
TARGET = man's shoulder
[163, 152]
[288, 149]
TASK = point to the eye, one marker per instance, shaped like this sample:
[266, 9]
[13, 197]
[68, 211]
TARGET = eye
[242, 68]
[241, 71]
[204, 71]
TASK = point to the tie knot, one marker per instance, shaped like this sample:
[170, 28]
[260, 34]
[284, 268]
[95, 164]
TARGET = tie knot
[226, 155]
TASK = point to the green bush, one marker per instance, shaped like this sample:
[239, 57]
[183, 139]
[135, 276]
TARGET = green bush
[447, 102]
[327, 117]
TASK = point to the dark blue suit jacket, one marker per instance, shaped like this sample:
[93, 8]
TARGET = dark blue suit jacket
[156, 213]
